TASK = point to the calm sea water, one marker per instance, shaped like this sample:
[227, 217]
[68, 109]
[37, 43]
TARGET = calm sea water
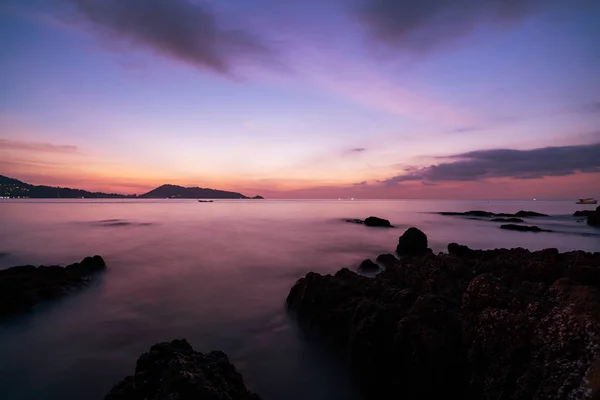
[217, 274]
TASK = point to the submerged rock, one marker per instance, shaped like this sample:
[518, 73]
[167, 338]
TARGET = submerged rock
[487, 214]
[379, 222]
[413, 242]
[21, 288]
[174, 371]
[495, 324]
[523, 228]
[512, 220]
[530, 214]
[355, 221]
[368, 266]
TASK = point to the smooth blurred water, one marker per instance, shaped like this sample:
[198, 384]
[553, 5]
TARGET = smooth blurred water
[217, 274]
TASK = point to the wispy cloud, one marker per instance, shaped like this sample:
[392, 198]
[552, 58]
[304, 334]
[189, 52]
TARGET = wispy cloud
[358, 150]
[506, 163]
[423, 25]
[181, 29]
[6, 144]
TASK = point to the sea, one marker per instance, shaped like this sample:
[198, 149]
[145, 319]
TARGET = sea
[218, 275]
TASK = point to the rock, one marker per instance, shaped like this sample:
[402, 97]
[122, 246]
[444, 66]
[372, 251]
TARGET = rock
[413, 242]
[368, 266]
[594, 218]
[512, 220]
[459, 250]
[583, 213]
[258, 198]
[379, 222]
[496, 324]
[523, 228]
[530, 214]
[174, 370]
[21, 288]
[474, 213]
[387, 260]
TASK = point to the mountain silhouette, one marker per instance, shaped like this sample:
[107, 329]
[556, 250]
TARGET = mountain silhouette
[10, 187]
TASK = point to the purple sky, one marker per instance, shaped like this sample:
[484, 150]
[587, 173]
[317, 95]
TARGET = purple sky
[332, 98]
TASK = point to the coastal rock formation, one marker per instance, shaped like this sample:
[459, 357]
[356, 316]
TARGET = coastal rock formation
[413, 242]
[511, 220]
[487, 214]
[583, 213]
[594, 218]
[368, 266]
[473, 324]
[171, 371]
[523, 228]
[21, 288]
[379, 222]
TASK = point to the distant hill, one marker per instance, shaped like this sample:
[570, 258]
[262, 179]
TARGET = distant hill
[174, 191]
[10, 187]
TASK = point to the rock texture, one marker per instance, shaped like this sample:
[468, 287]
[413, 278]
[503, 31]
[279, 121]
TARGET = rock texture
[174, 371]
[21, 288]
[489, 325]
[523, 228]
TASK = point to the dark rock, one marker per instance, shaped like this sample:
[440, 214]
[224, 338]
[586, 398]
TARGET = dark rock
[21, 288]
[175, 371]
[413, 242]
[258, 198]
[594, 218]
[525, 214]
[378, 222]
[512, 220]
[494, 324]
[459, 250]
[583, 213]
[387, 260]
[474, 213]
[523, 228]
[368, 265]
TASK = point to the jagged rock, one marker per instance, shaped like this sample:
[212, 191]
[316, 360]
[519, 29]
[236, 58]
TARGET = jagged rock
[378, 222]
[368, 265]
[413, 242]
[387, 260]
[530, 214]
[510, 324]
[487, 214]
[21, 288]
[523, 228]
[174, 371]
[459, 250]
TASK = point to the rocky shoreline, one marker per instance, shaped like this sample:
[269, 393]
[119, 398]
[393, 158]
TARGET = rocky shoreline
[22, 288]
[469, 324]
[173, 370]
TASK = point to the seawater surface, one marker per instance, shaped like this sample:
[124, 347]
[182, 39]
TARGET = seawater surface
[217, 274]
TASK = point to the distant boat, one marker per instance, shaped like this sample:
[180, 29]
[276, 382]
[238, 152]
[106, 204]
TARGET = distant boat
[588, 200]
[205, 201]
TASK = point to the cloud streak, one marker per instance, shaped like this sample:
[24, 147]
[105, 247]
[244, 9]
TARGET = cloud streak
[423, 25]
[181, 29]
[6, 144]
[506, 163]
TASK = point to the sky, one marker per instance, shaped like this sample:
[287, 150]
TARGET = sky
[481, 99]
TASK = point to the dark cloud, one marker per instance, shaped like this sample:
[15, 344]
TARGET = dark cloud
[466, 129]
[182, 29]
[505, 163]
[421, 25]
[358, 150]
[6, 144]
